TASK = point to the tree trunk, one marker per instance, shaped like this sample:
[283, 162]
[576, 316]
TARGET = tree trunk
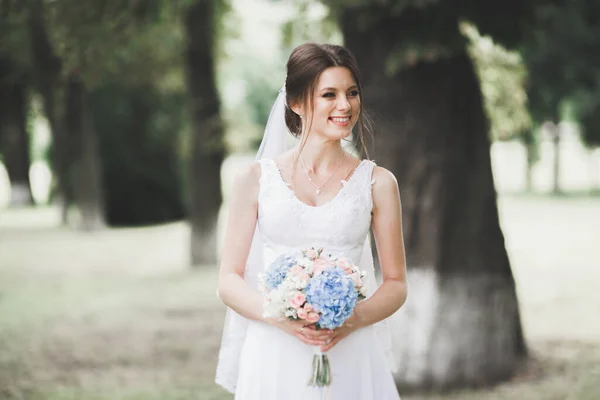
[86, 169]
[530, 143]
[207, 133]
[555, 129]
[14, 137]
[529, 169]
[460, 325]
[47, 69]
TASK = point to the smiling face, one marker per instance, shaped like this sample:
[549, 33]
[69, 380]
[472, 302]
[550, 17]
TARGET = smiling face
[336, 105]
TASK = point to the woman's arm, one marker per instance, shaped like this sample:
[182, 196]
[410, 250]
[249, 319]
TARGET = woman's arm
[243, 212]
[387, 228]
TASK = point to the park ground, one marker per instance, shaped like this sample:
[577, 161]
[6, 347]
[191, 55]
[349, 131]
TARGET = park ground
[119, 314]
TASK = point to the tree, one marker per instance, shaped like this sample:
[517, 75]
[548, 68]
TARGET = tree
[64, 102]
[139, 126]
[14, 135]
[15, 85]
[562, 55]
[207, 130]
[78, 49]
[461, 324]
[502, 76]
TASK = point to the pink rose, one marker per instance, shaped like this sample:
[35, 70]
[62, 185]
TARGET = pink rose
[300, 273]
[312, 317]
[356, 279]
[320, 265]
[345, 265]
[297, 299]
[302, 313]
[312, 254]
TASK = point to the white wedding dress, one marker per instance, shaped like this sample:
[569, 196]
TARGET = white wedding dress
[275, 365]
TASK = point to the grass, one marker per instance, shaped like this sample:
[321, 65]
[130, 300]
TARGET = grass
[118, 314]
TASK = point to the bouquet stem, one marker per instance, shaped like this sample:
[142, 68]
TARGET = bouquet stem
[321, 373]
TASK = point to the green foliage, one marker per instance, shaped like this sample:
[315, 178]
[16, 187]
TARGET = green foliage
[13, 32]
[562, 55]
[502, 75]
[138, 128]
[249, 85]
[311, 21]
[423, 25]
[103, 38]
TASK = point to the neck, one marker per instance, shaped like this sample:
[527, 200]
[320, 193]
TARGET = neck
[319, 155]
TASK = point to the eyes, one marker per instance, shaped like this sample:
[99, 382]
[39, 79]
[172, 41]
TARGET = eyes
[352, 93]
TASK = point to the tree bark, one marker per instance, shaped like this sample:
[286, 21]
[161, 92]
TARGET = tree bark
[207, 132]
[460, 325]
[86, 167]
[14, 137]
[47, 67]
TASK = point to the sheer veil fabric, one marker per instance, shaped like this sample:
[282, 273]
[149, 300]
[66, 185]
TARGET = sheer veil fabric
[276, 140]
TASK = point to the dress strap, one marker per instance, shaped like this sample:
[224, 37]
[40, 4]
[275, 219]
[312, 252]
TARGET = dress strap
[363, 180]
[268, 170]
[369, 181]
[360, 181]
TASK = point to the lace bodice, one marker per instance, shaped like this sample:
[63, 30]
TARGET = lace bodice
[340, 226]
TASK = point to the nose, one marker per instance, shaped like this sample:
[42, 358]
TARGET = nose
[342, 103]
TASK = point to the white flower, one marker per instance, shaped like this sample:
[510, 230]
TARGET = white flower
[305, 262]
[291, 312]
[363, 290]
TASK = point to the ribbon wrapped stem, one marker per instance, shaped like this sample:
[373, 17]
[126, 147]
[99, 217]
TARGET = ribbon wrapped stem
[321, 372]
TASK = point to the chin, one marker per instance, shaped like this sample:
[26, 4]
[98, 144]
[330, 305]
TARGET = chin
[339, 134]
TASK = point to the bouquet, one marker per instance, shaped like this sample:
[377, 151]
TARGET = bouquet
[309, 286]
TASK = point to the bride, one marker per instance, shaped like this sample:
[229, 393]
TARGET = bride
[314, 194]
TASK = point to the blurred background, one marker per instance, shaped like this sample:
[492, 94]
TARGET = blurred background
[122, 124]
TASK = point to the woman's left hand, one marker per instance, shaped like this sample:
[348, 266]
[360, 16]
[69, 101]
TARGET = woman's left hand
[349, 326]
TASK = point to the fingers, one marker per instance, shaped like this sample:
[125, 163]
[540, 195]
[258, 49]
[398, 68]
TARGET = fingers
[312, 342]
[309, 335]
[302, 334]
[309, 330]
[327, 346]
[338, 334]
[317, 334]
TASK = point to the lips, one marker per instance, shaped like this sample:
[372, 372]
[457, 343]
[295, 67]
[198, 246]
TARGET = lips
[340, 120]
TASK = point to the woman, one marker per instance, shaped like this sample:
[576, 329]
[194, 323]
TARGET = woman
[315, 194]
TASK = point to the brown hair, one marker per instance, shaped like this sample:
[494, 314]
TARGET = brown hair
[304, 67]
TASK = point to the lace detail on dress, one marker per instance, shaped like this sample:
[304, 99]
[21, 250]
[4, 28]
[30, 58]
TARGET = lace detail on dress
[340, 225]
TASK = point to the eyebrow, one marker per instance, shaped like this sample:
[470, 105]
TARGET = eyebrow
[334, 89]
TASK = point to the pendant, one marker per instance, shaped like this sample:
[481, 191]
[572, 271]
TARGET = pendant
[318, 192]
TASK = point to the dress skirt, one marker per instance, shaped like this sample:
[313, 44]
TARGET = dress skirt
[277, 366]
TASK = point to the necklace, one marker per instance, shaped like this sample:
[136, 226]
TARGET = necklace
[318, 187]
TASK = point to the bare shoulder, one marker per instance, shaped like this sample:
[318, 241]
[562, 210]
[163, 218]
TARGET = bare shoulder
[250, 172]
[385, 187]
[247, 180]
[384, 179]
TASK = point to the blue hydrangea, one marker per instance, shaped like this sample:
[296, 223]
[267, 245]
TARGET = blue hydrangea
[333, 294]
[277, 271]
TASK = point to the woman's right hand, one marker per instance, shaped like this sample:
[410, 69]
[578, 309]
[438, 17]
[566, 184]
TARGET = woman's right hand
[303, 331]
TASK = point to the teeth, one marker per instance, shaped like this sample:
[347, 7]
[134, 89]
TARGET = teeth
[340, 119]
